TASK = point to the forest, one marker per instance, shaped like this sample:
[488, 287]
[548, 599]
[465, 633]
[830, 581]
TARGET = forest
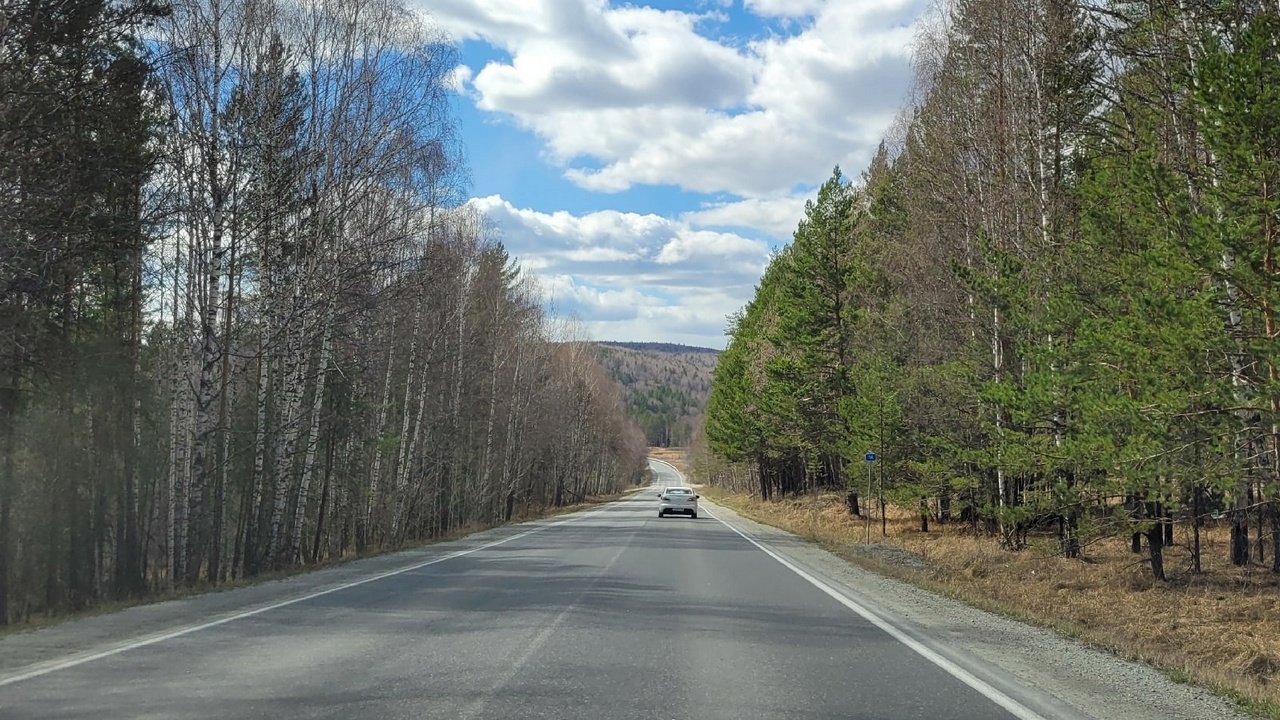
[1049, 303]
[246, 322]
[665, 387]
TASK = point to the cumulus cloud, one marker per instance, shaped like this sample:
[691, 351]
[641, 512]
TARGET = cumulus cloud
[778, 217]
[459, 78]
[783, 8]
[625, 95]
[629, 275]
[706, 245]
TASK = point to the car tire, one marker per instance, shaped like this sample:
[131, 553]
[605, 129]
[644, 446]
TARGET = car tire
[694, 515]
[661, 514]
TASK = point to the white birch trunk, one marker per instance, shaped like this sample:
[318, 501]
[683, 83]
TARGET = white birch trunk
[313, 438]
[291, 381]
[375, 475]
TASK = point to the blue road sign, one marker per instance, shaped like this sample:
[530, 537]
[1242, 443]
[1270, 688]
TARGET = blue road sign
[871, 457]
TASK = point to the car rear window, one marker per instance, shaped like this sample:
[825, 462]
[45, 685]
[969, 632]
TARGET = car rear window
[679, 491]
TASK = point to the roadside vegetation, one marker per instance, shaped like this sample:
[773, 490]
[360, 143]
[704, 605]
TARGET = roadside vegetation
[1049, 308]
[246, 324]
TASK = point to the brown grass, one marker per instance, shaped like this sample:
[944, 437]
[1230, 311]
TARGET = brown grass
[676, 456]
[1219, 629]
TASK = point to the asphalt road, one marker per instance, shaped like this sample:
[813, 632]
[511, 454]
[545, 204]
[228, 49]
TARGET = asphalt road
[608, 614]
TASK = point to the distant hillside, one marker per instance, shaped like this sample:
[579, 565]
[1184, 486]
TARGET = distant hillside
[666, 386]
[662, 347]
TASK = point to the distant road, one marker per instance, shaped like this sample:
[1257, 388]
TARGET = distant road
[607, 614]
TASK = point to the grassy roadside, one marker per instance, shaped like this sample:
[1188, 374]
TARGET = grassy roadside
[1218, 629]
[106, 608]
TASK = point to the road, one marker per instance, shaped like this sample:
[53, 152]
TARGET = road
[607, 614]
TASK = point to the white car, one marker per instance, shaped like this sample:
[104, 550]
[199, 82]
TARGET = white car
[678, 500]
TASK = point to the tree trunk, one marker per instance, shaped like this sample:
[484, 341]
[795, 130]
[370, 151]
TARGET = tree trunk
[1273, 509]
[410, 440]
[8, 431]
[218, 521]
[1239, 537]
[134, 567]
[1155, 545]
[1068, 538]
[313, 440]
[324, 499]
[372, 500]
[253, 531]
[291, 380]
[400, 471]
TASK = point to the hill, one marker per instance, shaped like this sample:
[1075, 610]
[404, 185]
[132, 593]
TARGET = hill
[665, 386]
[658, 347]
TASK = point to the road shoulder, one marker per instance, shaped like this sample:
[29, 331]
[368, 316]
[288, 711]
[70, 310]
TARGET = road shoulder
[1093, 682]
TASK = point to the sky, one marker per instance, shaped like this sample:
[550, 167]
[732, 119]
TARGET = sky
[642, 159]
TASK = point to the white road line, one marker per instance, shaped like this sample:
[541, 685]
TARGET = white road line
[1018, 710]
[673, 467]
[984, 688]
[74, 662]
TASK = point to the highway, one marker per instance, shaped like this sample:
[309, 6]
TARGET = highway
[606, 614]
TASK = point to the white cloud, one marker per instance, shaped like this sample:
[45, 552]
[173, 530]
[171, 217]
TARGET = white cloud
[706, 245]
[625, 95]
[633, 276]
[777, 217]
[699, 320]
[783, 8]
[459, 78]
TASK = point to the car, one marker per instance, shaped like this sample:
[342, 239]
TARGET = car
[678, 500]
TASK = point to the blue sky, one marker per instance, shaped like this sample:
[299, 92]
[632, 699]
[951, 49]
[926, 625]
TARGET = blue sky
[642, 159]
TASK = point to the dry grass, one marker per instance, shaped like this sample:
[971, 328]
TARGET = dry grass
[676, 456]
[1218, 629]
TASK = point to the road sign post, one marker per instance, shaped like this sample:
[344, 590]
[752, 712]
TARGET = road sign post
[870, 458]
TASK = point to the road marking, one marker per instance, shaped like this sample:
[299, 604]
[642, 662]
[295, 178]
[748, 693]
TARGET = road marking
[984, 688]
[74, 662]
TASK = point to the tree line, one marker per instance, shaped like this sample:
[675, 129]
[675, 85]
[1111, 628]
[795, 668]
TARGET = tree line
[246, 322]
[1049, 303]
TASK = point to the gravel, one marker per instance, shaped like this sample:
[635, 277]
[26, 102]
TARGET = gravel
[1093, 683]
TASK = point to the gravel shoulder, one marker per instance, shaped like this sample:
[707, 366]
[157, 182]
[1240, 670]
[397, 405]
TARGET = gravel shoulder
[1093, 683]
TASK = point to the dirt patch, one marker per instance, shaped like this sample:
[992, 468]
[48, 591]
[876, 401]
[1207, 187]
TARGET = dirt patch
[890, 555]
